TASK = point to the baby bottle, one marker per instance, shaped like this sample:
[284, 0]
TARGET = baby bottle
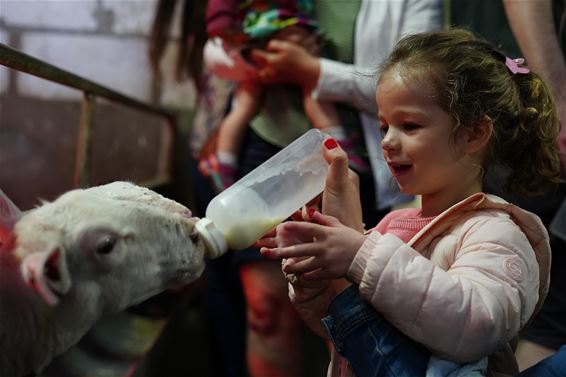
[265, 197]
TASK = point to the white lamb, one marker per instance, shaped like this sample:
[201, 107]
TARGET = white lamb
[91, 252]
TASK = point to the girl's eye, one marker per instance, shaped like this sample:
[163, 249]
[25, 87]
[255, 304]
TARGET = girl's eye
[410, 126]
[383, 129]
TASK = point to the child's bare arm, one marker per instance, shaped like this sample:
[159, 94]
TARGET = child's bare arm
[322, 114]
[246, 104]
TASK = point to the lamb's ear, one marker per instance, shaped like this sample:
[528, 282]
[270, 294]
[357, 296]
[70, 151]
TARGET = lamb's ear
[9, 215]
[46, 272]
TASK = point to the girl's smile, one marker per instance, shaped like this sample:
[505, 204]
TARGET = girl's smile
[398, 169]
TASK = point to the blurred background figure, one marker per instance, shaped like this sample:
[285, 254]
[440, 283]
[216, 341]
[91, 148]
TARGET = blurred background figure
[236, 28]
[350, 53]
[534, 30]
[540, 30]
[229, 340]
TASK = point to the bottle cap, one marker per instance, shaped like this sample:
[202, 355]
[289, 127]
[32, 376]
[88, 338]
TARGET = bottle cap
[213, 238]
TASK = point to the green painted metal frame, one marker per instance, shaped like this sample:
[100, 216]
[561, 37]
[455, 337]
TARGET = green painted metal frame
[22, 62]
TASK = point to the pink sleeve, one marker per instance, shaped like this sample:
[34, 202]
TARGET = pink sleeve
[221, 15]
[226, 62]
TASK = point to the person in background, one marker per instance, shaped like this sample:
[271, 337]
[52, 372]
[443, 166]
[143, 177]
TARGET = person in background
[223, 294]
[540, 32]
[354, 30]
[379, 25]
[435, 289]
[241, 26]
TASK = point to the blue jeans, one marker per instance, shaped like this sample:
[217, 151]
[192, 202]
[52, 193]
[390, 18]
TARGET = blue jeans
[553, 366]
[371, 344]
[374, 348]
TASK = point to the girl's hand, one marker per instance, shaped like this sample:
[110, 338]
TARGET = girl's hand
[269, 239]
[341, 196]
[321, 250]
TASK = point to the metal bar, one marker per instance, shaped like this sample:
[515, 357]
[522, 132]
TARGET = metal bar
[22, 62]
[15, 59]
[61, 29]
[165, 162]
[84, 142]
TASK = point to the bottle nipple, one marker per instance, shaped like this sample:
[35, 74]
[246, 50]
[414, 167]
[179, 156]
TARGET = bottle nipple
[213, 239]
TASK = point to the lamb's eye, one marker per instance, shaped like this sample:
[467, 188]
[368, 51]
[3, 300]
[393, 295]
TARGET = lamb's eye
[98, 241]
[106, 245]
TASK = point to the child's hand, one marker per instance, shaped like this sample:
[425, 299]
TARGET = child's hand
[269, 239]
[341, 197]
[321, 250]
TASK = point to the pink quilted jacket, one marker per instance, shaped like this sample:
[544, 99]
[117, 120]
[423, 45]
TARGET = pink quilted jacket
[464, 285]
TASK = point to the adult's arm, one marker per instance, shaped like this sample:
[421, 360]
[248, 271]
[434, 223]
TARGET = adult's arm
[533, 26]
[379, 26]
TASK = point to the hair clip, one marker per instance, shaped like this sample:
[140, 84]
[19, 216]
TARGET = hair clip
[513, 65]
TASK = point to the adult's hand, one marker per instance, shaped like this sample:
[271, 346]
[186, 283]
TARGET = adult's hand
[311, 300]
[300, 36]
[286, 62]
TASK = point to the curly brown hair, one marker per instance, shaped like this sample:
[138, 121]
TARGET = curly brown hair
[472, 82]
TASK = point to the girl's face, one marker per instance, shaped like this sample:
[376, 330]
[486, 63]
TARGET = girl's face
[418, 144]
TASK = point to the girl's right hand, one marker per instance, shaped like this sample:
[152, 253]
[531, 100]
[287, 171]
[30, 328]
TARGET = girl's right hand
[341, 196]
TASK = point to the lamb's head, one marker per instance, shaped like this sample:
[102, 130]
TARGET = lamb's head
[107, 247]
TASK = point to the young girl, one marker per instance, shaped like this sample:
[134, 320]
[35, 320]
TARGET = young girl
[459, 277]
[242, 26]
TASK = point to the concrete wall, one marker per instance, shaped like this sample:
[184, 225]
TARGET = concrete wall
[104, 41]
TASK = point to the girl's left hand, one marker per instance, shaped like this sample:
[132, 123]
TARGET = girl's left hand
[321, 249]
